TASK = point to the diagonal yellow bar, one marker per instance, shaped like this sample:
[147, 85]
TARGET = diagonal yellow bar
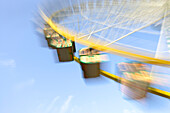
[118, 79]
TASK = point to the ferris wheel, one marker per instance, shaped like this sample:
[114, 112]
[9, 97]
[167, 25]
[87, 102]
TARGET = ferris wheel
[111, 26]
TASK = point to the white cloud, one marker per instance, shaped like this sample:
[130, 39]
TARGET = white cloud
[39, 108]
[8, 63]
[51, 105]
[25, 84]
[76, 109]
[65, 106]
[54, 106]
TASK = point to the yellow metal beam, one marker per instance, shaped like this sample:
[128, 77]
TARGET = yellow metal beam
[118, 79]
[150, 89]
[67, 34]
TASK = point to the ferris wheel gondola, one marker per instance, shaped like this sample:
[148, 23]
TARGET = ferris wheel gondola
[90, 61]
[136, 79]
[65, 47]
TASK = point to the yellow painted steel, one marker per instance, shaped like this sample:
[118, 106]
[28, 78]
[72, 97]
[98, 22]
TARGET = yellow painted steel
[65, 32]
[118, 79]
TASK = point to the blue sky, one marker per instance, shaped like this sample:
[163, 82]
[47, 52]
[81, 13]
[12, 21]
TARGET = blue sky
[32, 82]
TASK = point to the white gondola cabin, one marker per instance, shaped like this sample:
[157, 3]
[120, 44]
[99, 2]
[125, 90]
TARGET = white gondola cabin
[64, 47]
[90, 60]
[136, 79]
